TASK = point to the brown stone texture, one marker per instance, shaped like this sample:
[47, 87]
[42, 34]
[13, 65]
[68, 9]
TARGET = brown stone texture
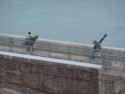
[47, 77]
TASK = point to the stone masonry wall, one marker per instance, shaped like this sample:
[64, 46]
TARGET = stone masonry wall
[47, 77]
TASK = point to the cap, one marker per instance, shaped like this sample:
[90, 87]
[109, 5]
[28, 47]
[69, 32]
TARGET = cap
[29, 32]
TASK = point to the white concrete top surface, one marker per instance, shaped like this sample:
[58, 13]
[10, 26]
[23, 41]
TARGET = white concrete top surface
[51, 60]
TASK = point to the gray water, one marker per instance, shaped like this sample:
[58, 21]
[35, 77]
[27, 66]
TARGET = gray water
[79, 21]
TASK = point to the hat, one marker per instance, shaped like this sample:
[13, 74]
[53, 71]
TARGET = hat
[29, 32]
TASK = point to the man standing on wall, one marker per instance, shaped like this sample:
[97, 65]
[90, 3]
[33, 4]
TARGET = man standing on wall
[29, 40]
[97, 47]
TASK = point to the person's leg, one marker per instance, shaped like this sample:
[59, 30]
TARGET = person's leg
[33, 46]
[28, 45]
[93, 54]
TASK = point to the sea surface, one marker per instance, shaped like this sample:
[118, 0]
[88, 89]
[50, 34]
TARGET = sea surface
[80, 21]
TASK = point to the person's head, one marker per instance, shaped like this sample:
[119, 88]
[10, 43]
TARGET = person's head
[29, 32]
[94, 41]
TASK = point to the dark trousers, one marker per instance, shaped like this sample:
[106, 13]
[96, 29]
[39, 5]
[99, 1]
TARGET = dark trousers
[31, 45]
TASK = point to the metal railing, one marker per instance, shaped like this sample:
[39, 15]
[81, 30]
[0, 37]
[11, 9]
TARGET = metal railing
[64, 51]
[113, 61]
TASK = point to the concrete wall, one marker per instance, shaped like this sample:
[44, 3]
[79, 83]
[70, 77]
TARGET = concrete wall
[47, 77]
[39, 76]
[111, 81]
[43, 77]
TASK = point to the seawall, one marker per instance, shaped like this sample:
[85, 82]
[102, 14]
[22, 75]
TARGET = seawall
[49, 76]
[42, 75]
[59, 68]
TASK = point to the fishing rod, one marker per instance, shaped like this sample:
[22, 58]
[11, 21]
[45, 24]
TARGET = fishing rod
[103, 38]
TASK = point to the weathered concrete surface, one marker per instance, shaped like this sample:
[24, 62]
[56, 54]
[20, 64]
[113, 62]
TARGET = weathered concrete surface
[47, 77]
[37, 76]
[41, 76]
[111, 81]
[11, 90]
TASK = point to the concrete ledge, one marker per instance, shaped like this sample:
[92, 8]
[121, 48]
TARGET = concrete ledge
[51, 60]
